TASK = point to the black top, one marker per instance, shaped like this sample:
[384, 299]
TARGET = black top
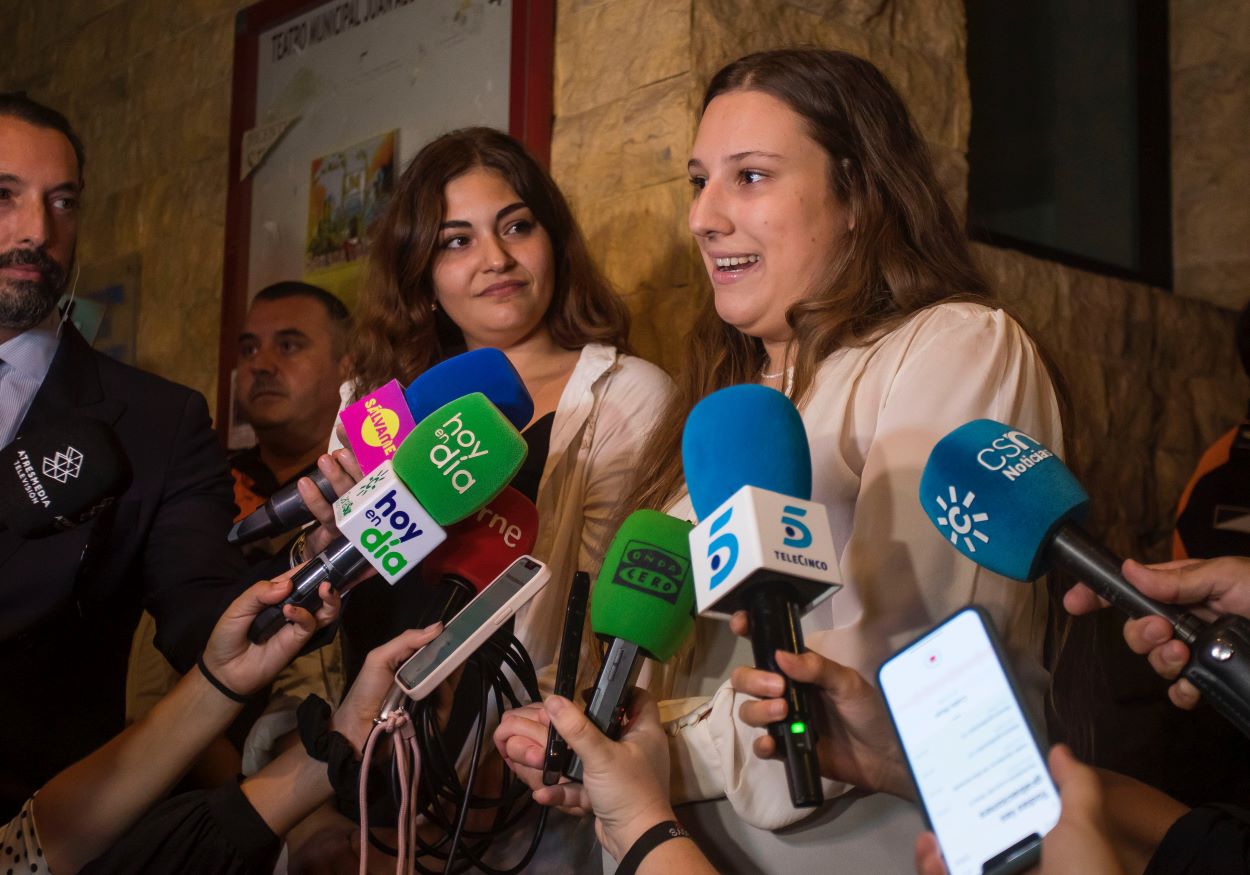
[538, 440]
[1211, 840]
[205, 831]
[375, 613]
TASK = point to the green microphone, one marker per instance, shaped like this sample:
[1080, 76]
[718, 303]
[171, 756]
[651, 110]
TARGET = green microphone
[642, 604]
[460, 457]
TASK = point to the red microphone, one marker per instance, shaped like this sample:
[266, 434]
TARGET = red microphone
[476, 551]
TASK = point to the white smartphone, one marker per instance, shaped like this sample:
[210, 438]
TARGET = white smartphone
[972, 751]
[469, 629]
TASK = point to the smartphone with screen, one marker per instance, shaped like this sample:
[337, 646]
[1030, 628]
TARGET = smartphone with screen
[469, 629]
[972, 750]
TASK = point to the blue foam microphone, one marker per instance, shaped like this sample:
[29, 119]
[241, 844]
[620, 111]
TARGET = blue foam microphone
[484, 370]
[1006, 501]
[761, 544]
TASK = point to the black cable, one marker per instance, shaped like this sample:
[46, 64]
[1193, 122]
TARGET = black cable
[472, 776]
[441, 797]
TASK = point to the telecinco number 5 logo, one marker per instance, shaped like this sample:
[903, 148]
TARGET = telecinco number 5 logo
[721, 551]
[797, 534]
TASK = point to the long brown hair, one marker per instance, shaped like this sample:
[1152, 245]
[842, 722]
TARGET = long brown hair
[905, 252]
[399, 332]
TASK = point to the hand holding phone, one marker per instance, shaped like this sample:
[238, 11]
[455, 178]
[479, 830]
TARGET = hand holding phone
[971, 749]
[469, 629]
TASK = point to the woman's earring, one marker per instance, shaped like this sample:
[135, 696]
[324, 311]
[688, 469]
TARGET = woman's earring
[433, 305]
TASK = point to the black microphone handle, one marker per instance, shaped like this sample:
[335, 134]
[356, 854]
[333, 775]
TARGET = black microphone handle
[1219, 663]
[284, 510]
[1098, 568]
[337, 563]
[295, 513]
[1219, 666]
[606, 708]
[775, 626]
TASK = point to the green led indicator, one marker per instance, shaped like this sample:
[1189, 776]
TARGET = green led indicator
[798, 728]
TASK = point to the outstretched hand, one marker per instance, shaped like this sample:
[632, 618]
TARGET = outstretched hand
[343, 472]
[624, 783]
[354, 717]
[245, 667]
[1077, 843]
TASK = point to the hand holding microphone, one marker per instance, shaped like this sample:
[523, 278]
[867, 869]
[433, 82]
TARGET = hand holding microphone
[859, 746]
[456, 460]
[761, 544]
[1006, 502]
[244, 666]
[376, 426]
[1209, 587]
[641, 606]
[336, 473]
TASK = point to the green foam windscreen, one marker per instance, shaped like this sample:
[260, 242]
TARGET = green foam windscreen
[645, 589]
[460, 457]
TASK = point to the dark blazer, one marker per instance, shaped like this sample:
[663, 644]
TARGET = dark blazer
[69, 603]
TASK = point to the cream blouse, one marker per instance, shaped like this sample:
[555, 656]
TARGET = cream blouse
[873, 415]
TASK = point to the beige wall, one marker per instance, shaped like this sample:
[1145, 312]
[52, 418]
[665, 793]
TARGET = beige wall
[147, 83]
[1210, 42]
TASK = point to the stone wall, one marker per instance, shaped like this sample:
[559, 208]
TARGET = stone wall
[147, 85]
[1210, 42]
[1152, 374]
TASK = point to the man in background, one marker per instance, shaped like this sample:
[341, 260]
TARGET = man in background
[292, 357]
[1213, 515]
[292, 360]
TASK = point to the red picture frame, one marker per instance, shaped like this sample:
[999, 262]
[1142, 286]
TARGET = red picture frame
[529, 120]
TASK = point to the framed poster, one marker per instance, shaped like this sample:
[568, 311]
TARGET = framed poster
[330, 100]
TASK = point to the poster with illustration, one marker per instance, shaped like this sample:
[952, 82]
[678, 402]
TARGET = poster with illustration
[313, 77]
[348, 191]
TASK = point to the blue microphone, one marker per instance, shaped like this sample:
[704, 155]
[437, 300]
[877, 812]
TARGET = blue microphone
[761, 544]
[485, 370]
[1006, 501]
[725, 447]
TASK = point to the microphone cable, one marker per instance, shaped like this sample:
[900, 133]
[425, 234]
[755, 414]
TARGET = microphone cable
[441, 798]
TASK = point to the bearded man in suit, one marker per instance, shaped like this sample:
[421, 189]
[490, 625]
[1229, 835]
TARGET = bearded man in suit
[69, 602]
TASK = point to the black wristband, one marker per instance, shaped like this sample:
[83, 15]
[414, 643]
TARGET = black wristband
[648, 842]
[218, 685]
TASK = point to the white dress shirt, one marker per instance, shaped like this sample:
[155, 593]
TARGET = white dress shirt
[24, 362]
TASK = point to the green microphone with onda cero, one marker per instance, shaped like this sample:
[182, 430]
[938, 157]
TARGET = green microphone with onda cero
[642, 604]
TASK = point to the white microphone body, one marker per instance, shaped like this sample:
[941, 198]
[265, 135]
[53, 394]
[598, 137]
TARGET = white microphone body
[755, 537]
